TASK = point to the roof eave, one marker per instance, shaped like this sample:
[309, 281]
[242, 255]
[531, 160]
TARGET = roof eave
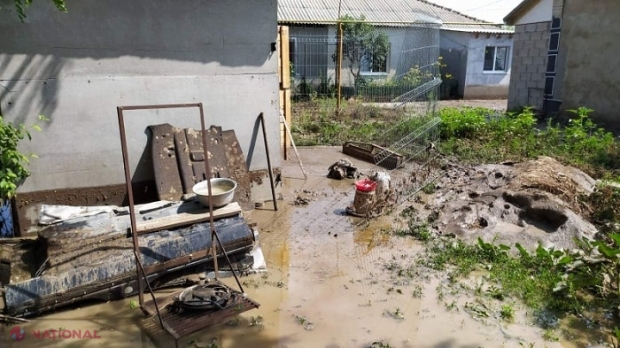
[518, 11]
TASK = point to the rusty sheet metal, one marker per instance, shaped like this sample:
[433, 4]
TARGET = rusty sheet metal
[238, 169]
[191, 156]
[167, 177]
[217, 156]
[187, 322]
[225, 156]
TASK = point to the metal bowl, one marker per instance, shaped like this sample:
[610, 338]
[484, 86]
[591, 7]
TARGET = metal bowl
[222, 189]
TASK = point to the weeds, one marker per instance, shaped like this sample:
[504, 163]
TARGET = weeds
[415, 230]
[552, 282]
[507, 313]
[482, 136]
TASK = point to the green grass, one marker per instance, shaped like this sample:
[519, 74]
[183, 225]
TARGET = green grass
[482, 136]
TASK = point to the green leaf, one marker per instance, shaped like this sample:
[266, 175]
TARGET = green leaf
[616, 238]
[607, 251]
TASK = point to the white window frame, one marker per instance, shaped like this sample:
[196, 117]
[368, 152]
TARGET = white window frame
[379, 73]
[507, 64]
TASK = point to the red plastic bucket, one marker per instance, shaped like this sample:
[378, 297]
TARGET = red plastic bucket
[365, 185]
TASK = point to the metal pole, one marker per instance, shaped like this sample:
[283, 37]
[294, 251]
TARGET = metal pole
[208, 171]
[339, 67]
[161, 322]
[132, 213]
[261, 118]
[228, 260]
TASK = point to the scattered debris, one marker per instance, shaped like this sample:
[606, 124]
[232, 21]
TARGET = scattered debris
[342, 169]
[301, 201]
[307, 324]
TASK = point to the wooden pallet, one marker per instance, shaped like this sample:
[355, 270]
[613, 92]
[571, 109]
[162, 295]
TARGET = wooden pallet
[188, 322]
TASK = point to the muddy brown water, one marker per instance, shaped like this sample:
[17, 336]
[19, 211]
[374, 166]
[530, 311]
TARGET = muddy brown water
[326, 286]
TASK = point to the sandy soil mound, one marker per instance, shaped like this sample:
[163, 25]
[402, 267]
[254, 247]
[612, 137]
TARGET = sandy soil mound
[529, 203]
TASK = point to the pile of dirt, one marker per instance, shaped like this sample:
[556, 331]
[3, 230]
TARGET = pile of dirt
[528, 203]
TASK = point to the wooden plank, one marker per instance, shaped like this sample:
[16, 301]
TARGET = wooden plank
[284, 56]
[184, 219]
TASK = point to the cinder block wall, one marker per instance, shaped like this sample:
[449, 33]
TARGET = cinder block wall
[529, 62]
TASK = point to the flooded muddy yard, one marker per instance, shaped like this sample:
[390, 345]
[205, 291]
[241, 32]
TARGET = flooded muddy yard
[333, 280]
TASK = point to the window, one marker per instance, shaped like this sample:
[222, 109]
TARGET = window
[549, 82]
[554, 42]
[495, 58]
[373, 61]
[551, 61]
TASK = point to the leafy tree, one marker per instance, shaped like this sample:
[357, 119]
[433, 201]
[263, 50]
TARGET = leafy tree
[362, 44]
[22, 5]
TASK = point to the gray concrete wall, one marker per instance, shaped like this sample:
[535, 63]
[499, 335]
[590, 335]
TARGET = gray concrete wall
[589, 40]
[529, 63]
[480, 84]
[76, 68]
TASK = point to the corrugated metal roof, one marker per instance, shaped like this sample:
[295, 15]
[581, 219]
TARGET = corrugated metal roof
[382, 12]
[483, 31]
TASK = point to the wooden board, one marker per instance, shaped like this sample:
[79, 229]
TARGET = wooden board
[185, 323]
[367, 152]
[185, 219]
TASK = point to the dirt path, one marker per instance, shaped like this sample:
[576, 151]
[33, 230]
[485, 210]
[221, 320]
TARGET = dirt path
[499, 104]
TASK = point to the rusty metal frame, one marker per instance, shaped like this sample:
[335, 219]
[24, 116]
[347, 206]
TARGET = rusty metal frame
[215, 240]
[132, 214]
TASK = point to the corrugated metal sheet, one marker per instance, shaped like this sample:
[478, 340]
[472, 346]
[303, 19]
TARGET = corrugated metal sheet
[382, 12]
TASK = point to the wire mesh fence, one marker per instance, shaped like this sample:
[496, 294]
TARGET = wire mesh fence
[376, 64]
[388, 81]
[387, 75]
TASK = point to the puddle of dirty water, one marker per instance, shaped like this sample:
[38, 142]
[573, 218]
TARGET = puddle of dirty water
[327, 286]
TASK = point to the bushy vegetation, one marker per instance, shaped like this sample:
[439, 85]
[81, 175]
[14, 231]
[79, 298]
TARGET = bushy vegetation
[482, 136]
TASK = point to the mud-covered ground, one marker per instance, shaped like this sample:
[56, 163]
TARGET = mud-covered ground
[334, 280]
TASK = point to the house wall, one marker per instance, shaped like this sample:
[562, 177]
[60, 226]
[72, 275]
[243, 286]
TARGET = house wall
[453, 50]
[396, 37]
[480, 84]
[76, 68]
[589, 38]
[540, 12]
[529, 63]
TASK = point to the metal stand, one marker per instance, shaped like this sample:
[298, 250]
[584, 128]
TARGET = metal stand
[141, 274]
[261, 119]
